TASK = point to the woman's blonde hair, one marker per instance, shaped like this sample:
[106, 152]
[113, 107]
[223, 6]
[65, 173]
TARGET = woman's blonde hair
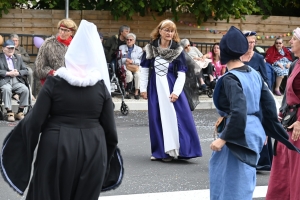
[68, 23]
[165, 24]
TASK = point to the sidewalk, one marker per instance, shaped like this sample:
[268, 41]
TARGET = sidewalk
[141, 104]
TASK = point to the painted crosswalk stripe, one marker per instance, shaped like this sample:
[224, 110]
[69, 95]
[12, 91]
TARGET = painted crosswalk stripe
[259, 192]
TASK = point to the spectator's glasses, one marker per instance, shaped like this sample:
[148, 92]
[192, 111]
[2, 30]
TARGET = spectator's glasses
[129, 40]
[11, 48]
[169, 31]
[64, 30]
[187, 47]
[278, 43]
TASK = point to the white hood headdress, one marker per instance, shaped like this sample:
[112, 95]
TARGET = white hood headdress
[85, 59]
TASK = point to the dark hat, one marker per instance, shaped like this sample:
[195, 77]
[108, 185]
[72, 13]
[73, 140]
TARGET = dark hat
[100, 35]
[233, 45]
[249, 33]
[9, 43]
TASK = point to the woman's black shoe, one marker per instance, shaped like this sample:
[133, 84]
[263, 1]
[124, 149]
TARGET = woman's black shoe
[137, 97]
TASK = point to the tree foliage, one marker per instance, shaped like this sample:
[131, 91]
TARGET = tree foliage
[201, 9]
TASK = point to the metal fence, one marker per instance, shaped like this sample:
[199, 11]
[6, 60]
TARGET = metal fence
[26, 40]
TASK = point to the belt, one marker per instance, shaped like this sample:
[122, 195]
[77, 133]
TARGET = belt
[74, 122]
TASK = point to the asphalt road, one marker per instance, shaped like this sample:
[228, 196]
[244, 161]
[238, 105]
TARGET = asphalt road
[143, 175]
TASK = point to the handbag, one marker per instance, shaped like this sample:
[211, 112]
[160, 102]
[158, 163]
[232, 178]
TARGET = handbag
[219, 126]
[289, 116]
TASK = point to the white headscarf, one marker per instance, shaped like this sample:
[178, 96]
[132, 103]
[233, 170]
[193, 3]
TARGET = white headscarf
[85, 59]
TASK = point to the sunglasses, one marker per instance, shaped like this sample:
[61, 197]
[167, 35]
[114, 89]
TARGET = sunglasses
[64, 30]
[187, 46]
[278, 43]
[130, 40]
[11, 48]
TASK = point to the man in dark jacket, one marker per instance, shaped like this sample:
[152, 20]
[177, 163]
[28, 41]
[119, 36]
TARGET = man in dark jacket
[113, 43]
[12, 69]
[21, 51]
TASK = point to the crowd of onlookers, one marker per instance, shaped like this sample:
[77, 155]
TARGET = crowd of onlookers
[272, 65]
[75, 113]
[122, 50]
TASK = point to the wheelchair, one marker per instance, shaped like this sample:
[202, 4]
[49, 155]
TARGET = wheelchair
[117, 77]
[26, 110]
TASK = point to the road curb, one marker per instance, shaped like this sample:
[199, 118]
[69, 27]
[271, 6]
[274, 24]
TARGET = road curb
[205, 103]
[136, 105]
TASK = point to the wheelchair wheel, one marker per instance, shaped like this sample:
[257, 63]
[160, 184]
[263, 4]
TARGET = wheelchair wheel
[209, 93]
[124, 108]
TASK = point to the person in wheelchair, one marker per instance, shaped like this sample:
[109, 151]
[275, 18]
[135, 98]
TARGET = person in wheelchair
[131, 58]
[214, 55]
[205, 65]
[114, 42]
[12, 70]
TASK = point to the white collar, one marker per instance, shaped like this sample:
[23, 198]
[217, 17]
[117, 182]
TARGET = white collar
[91, 79]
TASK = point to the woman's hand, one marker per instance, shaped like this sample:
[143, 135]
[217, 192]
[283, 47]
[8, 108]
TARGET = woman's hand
[296, 130]
[217, 144]
[128, 61]
[266, 141]
[280, 65]
[173, 97]
[144, 95]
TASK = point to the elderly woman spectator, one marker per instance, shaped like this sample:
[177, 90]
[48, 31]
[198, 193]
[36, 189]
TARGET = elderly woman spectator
[51, 54]
[197, 56]
[285, 175]
[214, 54]
[253, 59]
[256, 61]
[280, 58]
[173, 133]
[131, 59]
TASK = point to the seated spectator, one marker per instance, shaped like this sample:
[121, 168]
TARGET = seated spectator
[12, 69]
[131, 59]
[101, 36]
[253, 59]
[214, 55]
[114, 42]
[280, 58]
[197, 56]
[21, 51]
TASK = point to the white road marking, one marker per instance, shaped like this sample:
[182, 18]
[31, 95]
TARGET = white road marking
[259, 192]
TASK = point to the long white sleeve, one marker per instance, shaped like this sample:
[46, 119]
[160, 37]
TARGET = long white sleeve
[144, 79]
[179, 83]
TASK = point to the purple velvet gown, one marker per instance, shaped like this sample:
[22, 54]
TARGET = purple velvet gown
[188, 137]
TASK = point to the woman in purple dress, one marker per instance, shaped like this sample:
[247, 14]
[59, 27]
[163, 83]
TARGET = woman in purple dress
[172, 129]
